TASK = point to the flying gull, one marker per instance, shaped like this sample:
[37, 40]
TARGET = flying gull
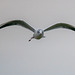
[38, 34]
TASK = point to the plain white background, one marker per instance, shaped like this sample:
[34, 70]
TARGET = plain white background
[53, 55]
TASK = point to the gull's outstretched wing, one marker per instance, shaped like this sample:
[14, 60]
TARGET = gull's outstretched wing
[61, 25]
[17, 22]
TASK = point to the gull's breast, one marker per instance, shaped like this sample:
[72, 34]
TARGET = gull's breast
[39, 36]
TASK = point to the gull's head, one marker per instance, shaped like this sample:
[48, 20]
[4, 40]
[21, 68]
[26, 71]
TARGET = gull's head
[38, 34]
[40, 31]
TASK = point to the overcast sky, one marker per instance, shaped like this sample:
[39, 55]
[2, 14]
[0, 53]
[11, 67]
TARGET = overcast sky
[52, 55]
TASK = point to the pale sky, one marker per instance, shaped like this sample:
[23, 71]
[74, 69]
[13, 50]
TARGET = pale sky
[52, 55]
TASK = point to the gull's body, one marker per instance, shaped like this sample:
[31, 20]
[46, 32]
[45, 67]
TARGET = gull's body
[38, 34]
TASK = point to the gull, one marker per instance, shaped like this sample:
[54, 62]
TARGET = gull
[38, 34]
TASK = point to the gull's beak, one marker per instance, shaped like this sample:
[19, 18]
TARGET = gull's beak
[41, 32]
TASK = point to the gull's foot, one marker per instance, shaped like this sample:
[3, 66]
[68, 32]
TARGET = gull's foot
[31, 39]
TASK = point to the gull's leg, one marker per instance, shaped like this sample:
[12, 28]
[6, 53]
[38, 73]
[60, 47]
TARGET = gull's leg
[31, 38]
